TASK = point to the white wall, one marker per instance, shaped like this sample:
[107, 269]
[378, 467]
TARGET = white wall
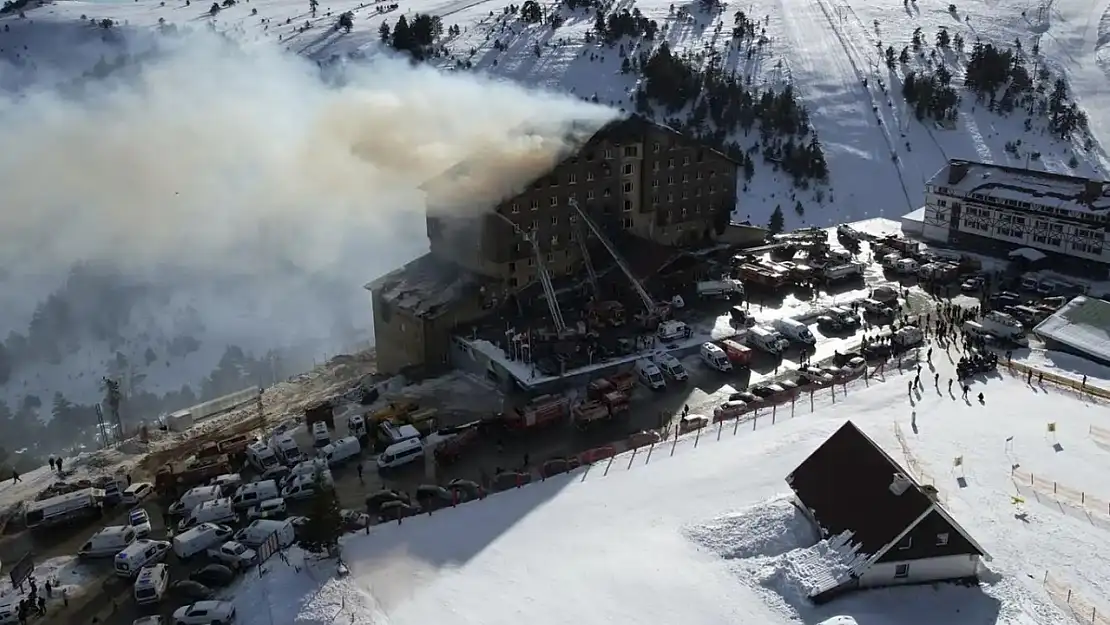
[931, 569]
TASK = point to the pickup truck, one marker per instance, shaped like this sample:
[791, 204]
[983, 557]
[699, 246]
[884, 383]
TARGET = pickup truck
[233, 554]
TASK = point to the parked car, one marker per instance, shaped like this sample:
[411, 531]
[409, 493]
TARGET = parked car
[205, 613]
[353, 520]
[148, 620]
[189, 590]
[826, 323]
[213, 576]
[729, 410]
[396, 509]
[745, 396]
[136, 493]
[465, 490]
[814, 374]
[375, 501]
[971, 285]
[434, 497]
[139, 520]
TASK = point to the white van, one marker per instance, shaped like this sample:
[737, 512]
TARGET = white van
[215, 511]
[194, 497]
[397, 433]
[196, 540]
[399, 454]
[259, 531]
[795, 330]
[138, 554]
[673, 330]
[650, 375]
[767, 340]
[305, 486]
[670, 366]
[306, 467]
[251, 494]
[715, 357]
[285, 446]
[341, 450]
[356, 425]
[320, 434]
[228, 482]
[151, 584]
[261, 457]
[137, 492]
[108, 542]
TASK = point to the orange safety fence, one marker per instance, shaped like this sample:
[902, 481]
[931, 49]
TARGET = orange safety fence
[1061, 492]
[1070, 601]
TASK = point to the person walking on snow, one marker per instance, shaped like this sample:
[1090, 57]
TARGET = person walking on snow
[949, 385]
[936, 380]
[967, 389]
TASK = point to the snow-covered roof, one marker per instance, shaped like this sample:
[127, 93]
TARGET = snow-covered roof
[1028, 254]
[1082, 324]
[917, 215]
[425, 286]
[1001, 183]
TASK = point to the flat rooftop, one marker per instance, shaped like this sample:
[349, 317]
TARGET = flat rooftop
[1083, 324]
[1070, 193]
[426, 286]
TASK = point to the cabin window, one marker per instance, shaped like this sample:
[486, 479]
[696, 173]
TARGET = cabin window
[905, 543]
[901, 571]
[942, 539]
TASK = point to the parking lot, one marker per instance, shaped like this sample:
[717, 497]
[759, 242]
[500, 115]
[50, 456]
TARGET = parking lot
[462, 399]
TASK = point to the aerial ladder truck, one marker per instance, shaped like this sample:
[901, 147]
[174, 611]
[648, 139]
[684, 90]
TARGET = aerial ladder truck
[654, 313]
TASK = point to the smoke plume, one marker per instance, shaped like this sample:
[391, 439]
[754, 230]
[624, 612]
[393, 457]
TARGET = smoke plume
[238, 176]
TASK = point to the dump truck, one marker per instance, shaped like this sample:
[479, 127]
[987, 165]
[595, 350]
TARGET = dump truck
[762, 276]
[233, 446]
[174, 476]
[322, 411]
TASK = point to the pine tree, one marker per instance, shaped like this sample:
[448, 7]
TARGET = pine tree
[383, 32]
[325, 523]
[777, 222]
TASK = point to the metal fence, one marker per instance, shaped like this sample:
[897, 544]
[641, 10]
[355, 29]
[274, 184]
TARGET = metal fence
[915, 465]
[1072, 602]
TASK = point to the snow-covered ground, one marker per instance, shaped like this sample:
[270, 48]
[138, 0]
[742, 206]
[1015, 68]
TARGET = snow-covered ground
[65, 574]
[699, 533]
[824, 49]
[84, 466]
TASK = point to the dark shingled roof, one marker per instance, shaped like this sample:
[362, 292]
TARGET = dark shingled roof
[846, 483]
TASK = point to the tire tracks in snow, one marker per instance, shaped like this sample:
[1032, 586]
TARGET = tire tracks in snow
[851, 54]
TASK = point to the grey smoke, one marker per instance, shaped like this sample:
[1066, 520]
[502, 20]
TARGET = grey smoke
[236, 176]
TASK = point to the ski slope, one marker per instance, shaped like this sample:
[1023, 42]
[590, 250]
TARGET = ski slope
[824, 48]
[701, 534]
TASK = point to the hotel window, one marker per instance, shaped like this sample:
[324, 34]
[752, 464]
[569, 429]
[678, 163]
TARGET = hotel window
[554, 220]
[589, 195]
[628, 187]
[589, 176]
[628, 169]
[685, 160]
[515, 208]
[630, 150]
[628, 206]
[535, 205]
[627, 222]
[554, 200]
[572, 178]
[608, 154]
[655, 147]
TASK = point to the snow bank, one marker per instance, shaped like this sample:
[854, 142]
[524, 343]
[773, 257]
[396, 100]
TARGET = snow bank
[773, 547]
[770, 528]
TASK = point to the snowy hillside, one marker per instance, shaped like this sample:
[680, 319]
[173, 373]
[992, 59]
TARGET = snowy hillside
[700, 533]
[830, 52]
[826, 50]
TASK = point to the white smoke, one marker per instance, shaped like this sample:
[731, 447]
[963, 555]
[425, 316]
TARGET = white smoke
[238, 175]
